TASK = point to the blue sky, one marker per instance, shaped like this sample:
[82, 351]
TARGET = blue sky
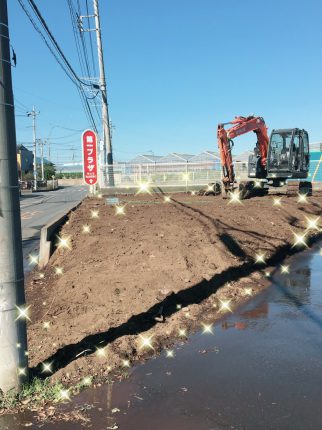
[175, 68]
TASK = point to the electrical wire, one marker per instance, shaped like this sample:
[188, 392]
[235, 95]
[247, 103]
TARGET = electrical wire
[81, 47]
[53, 40]
[69, 71]
[90, 40]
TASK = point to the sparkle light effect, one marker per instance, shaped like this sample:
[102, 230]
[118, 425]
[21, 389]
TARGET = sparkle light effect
[33, 259]
[207, 328]
[23, 313]
[46, 325]
[169, 353]
[257, 184]
[87, 380]
[167, 199]
[41, 275]
[234, 197]
[225, 305]
[18, 345]
[22, 371]
[178, 306]
[64, 394]
[101, 352]
[144, 187]
[99, 196]
[146, 342]
[299, 239]
[119, 210]
[64, 242]
[267, 274]
[182, 332]
[47, 367]
[260, 259]
[86, 229]
[312, 224]
[59, 270]
[302, 198]
[193, 193]
[285, 269]
[277, 201]
[248, 291]
[185, 176]
[126, 363]
[94, 213]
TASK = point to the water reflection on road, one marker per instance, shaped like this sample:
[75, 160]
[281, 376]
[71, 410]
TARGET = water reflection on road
[260, 369]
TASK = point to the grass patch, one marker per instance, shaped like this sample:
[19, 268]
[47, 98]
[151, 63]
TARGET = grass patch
[36, 392]
[39, 392]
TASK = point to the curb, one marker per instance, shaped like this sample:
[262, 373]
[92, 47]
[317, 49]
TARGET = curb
[47, 235]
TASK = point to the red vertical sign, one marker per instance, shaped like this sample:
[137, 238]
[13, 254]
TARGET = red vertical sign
[89, 142]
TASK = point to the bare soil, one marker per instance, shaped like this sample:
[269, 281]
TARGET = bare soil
[160, 268]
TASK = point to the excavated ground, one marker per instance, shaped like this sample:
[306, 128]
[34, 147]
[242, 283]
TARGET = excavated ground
[175, 259]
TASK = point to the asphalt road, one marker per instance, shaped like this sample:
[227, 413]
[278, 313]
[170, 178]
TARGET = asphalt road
[39, 208]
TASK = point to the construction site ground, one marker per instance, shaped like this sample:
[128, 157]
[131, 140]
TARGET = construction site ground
[131, 284]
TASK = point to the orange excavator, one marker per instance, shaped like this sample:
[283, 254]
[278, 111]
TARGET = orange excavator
[282, 158]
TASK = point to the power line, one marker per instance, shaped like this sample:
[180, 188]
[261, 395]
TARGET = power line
[71, 73]
[67, 128]
[53, 40]
[44, 39]
[81, 46]
[65, 137]
[91, 40]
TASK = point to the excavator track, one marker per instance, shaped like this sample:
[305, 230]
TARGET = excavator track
[299, 187]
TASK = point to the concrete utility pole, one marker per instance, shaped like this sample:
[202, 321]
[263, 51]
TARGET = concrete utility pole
[13, 336]
[41, 142]
[48, 142]
[107, 142]
[33, 114]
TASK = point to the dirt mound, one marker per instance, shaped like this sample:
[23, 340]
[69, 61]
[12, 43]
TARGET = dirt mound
[160, 268]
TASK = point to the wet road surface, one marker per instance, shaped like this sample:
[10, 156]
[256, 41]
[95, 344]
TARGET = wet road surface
[260, 369]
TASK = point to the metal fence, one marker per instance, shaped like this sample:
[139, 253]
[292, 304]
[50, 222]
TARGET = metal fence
[169, 174]
[187, 174]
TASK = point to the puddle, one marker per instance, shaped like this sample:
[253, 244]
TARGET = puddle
[260, 369]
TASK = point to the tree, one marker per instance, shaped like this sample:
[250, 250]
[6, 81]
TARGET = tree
[49, 171]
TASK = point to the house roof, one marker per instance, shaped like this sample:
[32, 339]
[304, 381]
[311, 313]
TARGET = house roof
[23, 148]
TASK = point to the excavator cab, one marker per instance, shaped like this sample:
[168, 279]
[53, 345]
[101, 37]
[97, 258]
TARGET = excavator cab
[288, 155]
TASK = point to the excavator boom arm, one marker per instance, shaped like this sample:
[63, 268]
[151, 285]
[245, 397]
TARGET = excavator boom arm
[241, 125]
